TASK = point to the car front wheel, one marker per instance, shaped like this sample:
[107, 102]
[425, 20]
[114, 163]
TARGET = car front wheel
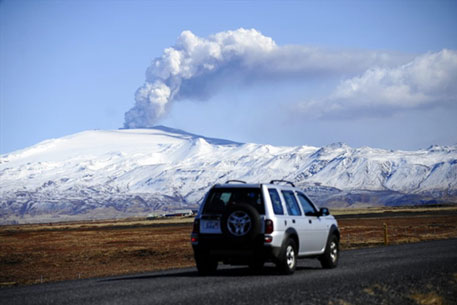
[331, 255]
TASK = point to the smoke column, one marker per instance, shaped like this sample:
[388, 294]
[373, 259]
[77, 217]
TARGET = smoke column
[191, 57]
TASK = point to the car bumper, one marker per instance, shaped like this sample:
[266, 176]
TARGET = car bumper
[229, 251]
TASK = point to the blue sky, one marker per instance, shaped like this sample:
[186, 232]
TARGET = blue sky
[69, 66]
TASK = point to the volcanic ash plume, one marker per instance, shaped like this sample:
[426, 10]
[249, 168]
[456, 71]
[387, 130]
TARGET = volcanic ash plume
[192, 57]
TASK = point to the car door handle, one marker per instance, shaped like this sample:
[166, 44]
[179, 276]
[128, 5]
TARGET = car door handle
[293, 220]
[310, 221]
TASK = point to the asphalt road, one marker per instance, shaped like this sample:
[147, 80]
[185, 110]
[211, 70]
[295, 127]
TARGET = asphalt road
[386, 275]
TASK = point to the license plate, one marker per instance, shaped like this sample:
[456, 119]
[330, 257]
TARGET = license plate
[210, 226]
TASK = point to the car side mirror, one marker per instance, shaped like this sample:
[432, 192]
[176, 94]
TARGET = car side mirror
[324, 212]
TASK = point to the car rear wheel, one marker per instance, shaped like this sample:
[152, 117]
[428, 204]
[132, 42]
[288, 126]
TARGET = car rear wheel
[206, 265]
[287, 261]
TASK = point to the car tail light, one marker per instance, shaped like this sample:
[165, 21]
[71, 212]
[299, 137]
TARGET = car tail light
[196, 227]
[269, 226]
[193, 239]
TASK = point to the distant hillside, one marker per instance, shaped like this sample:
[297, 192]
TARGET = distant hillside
[118, 173]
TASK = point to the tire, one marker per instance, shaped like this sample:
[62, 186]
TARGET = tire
[241, 232]
[287, 261]
[206, 265]
[332, 253]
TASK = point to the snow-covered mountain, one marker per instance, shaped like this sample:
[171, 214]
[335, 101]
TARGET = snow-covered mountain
[118, 173]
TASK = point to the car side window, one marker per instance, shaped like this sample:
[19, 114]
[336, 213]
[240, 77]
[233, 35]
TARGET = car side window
[291, 203]
[307, 206]
[276, 201]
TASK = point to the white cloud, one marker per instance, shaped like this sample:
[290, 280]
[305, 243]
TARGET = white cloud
[196, 68]
[428, 80]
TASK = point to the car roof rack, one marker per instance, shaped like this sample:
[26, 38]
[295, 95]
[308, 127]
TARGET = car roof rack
[234, 180]
[283, 181]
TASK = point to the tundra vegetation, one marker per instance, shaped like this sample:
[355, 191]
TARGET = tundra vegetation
[37, 253]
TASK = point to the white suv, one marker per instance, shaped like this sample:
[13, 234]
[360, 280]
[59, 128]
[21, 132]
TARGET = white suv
[249, 224]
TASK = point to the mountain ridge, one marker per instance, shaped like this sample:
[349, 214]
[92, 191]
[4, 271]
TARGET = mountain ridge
[126, 172]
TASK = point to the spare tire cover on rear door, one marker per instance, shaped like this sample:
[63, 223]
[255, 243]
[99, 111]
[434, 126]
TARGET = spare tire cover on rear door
[241, 222]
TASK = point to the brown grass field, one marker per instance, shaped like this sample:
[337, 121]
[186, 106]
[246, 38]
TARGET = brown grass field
[39, 253]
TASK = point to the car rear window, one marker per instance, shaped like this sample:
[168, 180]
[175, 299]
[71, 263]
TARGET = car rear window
[276, 202]
[220, 198]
